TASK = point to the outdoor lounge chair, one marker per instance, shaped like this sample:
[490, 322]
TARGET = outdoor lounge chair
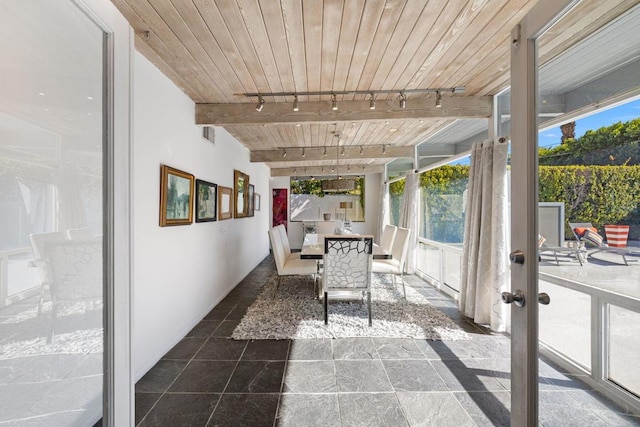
[579, 252]
[587, 234]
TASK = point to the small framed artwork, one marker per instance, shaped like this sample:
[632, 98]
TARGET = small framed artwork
[225, 201]
[256, 202]
[176, 197]
[240, 195]
[250, 199]
[206, 201]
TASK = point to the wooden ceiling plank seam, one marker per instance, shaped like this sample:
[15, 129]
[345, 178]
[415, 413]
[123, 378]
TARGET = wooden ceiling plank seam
[153, 57]
[388, 23]
[423, 54]
[352, 13]
[207, 72]
[238, 75]
[312, 23]
[190, 24]
[294, 31]
[476, 49]
[485, 43]
[236, 27]
[331, 24]
[370, 20]
[221, 34]
[184, 61]
[255, 27]
[274, 23]
[410, 31]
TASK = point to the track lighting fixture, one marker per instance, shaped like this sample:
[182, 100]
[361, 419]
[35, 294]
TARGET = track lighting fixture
[325, 151]
[303, 153]
[372, 102]
[438, 99]
[403, 100]
[284, 153]
[296, 107]
[384, 149]
[342, 151]
[361, 150]
[334, 102]
[260, 104]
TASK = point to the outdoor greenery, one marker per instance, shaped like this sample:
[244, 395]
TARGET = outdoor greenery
[314, 187]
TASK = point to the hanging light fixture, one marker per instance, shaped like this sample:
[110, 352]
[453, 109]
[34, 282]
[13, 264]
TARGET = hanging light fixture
[438, 99]
[334, 102]
[403, 100]
[338, 185]
[260, 104]
[296, 107]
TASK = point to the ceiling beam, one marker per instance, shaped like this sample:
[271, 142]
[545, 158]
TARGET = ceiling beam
[295, 154]
[318, 112]
[326, 170]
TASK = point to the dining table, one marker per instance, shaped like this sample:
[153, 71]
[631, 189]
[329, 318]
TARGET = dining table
[313, 246]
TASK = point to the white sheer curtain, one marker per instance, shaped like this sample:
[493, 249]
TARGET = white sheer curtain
[383, 205]
[485, 268]
[409, 218]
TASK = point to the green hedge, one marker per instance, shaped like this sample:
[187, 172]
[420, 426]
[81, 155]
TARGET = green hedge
[596, 194]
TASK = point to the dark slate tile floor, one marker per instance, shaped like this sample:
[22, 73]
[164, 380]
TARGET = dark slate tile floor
[208, 379]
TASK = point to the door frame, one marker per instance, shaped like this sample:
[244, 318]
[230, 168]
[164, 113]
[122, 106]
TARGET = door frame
[524, 217]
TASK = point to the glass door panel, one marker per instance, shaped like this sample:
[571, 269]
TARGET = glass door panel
[51, 202]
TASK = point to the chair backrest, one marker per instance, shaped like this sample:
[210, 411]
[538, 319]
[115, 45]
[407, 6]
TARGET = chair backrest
[347, 263]
[278, 250]
[388, 234]
[76, 269]
[79, 233]
[284, 239]
[580, 226]
[400, 245]
[38, 242]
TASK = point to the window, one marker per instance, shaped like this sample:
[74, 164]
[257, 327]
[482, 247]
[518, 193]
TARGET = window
[309, 203]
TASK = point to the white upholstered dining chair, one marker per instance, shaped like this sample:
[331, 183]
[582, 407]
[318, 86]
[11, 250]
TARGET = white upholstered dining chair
[347, 268]
[395, 266]
[388, 234]
[288, 265]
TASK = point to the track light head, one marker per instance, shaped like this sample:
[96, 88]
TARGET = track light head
[334, 102]
[372, 102]
[403, 100]
[342, 151]
[296, 107]
[438, 99]
[384, 149]
[361, 150]
[303, 153]
[260, 104]
[325, 151]
[284, 153]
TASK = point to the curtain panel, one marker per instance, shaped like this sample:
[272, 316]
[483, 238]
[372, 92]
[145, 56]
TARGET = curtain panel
[409, 218]
[485, 267]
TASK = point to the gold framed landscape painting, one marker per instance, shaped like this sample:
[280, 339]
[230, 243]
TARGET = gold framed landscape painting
[176, 196]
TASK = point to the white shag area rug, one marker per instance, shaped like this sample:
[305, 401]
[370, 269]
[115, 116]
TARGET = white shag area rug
[293, 313]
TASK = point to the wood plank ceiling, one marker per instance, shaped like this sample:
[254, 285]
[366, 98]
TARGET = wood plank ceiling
[217, 51]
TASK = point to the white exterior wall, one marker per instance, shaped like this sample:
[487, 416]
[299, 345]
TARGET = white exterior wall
[181, 272]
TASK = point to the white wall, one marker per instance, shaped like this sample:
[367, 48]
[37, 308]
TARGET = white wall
[369, 226]
[181, 272]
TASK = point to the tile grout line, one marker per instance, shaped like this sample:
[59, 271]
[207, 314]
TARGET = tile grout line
[286, 363]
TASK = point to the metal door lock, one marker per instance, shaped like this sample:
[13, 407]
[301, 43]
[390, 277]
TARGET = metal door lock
[517, 257]
[544, 298]
[517, 297]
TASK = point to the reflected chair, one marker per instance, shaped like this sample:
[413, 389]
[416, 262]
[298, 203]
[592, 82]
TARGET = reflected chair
[395, 266]
[38, 241]
[80, 233]
[347, 268]
[289, 265]
[76, 274]
[388, 234]
[588, 235]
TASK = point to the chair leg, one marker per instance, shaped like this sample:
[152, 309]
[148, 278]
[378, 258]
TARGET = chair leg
[404, 290]
[326, 306]
[369, 305]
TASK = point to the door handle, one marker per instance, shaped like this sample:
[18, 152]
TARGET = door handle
[517, 297]
[517, 257]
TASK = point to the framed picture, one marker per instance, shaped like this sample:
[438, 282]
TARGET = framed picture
[256, 202]
[225, 200]
[240, 194]
[176, 197]
[206, 201]
[280, 212]
[250, 199]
